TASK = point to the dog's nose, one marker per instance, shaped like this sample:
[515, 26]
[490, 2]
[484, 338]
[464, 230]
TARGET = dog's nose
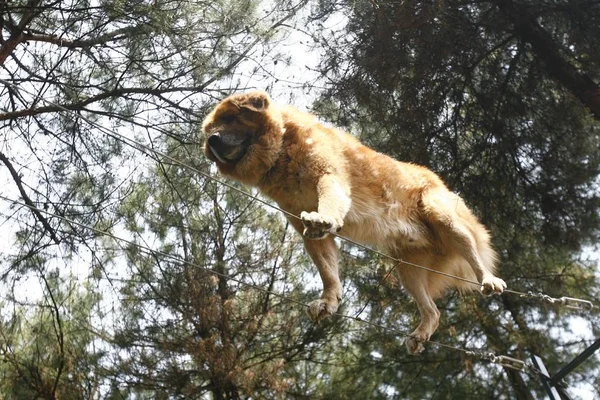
[214, 140]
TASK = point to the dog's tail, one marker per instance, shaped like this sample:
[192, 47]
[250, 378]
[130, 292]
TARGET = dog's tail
[488, 255]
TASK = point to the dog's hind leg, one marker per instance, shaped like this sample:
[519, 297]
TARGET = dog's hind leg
[459, 229]
[415, 282]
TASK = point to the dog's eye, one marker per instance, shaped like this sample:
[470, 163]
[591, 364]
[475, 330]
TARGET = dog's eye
[227, 119]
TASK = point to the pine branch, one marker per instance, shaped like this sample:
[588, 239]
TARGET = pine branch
[16, 35]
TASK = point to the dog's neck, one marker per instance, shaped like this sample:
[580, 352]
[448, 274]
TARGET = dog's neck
[269, 174]
[262, 156]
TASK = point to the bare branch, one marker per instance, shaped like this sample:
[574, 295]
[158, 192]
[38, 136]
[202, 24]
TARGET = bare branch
[116, 35]
[26, 198]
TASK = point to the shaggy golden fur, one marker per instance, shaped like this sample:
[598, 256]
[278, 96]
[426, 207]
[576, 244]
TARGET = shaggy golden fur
[337, 185]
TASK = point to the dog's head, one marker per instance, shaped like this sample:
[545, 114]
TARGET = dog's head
[243, 135]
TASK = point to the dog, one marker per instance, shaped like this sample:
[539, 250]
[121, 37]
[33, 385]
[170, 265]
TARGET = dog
[336, 185]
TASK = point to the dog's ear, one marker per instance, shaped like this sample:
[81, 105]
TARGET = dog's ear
[255, 101]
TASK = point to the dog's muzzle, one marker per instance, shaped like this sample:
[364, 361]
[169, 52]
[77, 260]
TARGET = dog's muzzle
[225, 148]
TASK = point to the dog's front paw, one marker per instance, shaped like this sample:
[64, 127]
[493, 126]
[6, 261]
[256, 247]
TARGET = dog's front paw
[321, 308]
[414, 343]
[318, 226]
[491, 285]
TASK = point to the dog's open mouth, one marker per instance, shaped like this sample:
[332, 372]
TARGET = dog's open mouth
[228, 155]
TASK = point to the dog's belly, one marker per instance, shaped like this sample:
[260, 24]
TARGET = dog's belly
[385, 225]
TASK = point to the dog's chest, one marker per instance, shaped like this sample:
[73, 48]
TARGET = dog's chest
[293, 185]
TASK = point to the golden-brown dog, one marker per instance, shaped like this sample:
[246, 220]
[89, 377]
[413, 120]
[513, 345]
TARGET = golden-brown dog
[337, 185]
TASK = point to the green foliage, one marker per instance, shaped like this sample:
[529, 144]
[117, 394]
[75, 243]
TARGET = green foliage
[52, 350]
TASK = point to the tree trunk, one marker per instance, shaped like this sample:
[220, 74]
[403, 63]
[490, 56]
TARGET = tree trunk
[547, 50]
